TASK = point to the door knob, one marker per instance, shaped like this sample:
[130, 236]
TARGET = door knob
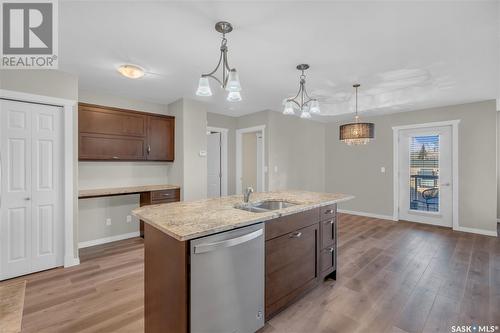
[445, 184]
[27, 199]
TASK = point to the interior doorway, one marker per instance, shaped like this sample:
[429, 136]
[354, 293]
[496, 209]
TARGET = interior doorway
[425, 173]
[250, 158]
[216, 162]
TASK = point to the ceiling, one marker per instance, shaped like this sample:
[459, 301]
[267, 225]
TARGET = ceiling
[407, 55]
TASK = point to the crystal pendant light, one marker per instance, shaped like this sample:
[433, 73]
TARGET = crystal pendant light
[302, 101]
[357, 133]
[204, 87]
[229, 80]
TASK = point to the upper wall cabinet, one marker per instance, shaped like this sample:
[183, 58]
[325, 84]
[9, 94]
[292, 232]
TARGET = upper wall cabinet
[113, 134]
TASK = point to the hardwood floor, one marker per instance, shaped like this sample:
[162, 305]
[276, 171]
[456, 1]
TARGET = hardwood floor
[393, 277]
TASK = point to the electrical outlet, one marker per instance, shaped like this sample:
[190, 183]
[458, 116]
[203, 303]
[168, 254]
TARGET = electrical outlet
[129, 218]
[108, 221]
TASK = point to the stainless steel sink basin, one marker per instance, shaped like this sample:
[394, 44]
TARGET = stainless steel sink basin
[264, 206]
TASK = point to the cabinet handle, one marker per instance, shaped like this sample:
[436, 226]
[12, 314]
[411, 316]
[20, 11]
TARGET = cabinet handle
[331, 250]
[295, 235]
[329, 211]
[166, 194]
[329, 222]
[149, 149]
[115, 157]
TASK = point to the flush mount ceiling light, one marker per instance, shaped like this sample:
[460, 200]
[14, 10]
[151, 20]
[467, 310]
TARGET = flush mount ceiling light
[302, 101]
[131, 71]
[357, 133]
[230, 80]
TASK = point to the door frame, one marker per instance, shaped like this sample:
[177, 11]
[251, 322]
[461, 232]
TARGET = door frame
[239, 156]
[454, 167]
[69, 110]
[224, 161]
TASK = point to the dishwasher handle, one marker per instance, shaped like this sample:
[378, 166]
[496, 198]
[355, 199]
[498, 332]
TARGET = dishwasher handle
[209, 247]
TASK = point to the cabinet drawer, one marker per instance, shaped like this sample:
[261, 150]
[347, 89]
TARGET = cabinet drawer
[157, 202]
[328, 258]
[108, 147]
[165, 195]
[286, 224]
[328, 212]
[290, 262]
[328, 232]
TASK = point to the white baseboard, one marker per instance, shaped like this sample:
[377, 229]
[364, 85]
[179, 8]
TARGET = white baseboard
[108, 239]
[375, 216]
[477, 231]
[71, 261]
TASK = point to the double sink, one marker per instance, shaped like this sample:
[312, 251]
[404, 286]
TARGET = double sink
[264, 206]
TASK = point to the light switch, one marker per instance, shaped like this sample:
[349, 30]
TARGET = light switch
[382, 169]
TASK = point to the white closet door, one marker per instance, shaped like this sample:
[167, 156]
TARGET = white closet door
[47, 226]
[30, 210]
[16, 188]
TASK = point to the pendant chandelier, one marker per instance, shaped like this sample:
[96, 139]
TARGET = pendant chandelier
[229, 81]
[301, 101]
[357, 133]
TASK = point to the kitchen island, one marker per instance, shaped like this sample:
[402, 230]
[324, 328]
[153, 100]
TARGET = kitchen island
[299, 251]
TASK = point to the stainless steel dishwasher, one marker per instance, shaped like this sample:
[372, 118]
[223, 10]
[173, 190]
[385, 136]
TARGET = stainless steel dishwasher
[227, 281]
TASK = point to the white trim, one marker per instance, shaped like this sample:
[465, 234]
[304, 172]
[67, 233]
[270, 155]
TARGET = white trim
[455, 179]
[375, 216]
[477, 231]
[239, 134]
[224, 157]
[69, 110]
[109, 239]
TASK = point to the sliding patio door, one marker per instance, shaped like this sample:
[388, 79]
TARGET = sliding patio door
[425, 175]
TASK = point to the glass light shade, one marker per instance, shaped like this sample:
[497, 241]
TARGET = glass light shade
[204, 87]
[314, 107]
[233, 81]
[288, 110]
[305, 114]
[234, 96]
[357, 133]
[131, 71]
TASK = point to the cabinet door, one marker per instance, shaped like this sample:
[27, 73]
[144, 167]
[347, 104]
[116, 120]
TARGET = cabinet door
[160, 138]
[110, 147]
[100, 120]
[291, 267]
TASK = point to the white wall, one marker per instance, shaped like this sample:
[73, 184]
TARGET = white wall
[356, 170]
[92, 213]
[249, 160]
[190, 169]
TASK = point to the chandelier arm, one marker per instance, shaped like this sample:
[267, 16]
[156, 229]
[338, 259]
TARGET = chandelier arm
[213, 77]
[294, 101]
[216, 67]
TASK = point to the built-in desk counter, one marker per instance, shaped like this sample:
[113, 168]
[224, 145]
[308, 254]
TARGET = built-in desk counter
[149, 195]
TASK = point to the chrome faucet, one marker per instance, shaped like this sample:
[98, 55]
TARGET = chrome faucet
[246, 194]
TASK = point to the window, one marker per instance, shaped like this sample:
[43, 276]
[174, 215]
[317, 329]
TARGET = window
[424, 173]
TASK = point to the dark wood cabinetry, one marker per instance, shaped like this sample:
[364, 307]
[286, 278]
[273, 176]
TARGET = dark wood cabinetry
[292, 244]
[328, 225]
[300, 251]
[155, 198]
[113, 134]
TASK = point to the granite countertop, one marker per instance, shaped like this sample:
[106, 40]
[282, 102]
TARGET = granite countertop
[187, 220]
[103, 192]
